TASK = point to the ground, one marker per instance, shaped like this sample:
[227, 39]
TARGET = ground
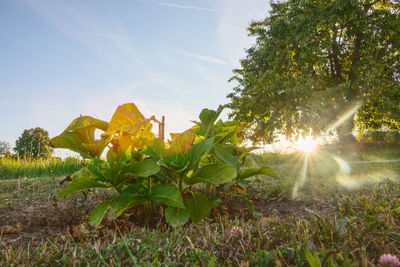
[340, 222]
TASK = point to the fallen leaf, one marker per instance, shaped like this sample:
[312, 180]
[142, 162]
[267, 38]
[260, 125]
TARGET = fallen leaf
[11, 229]
[78, 232]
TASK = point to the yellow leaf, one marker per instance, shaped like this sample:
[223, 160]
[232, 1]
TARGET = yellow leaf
[79, 136]
[240, 190]
[129, 129]
[127, 119]
[183, 141]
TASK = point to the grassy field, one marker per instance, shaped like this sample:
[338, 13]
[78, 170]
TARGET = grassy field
[339, 209]
[36, 168]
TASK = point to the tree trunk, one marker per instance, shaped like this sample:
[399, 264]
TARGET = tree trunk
[345, 133]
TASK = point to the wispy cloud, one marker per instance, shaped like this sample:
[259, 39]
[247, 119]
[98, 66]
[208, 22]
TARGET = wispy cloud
[186, 6]
[204, 58]
[78, 22]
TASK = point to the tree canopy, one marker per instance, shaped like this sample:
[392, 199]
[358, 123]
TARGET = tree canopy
[33, 143]
[4, 148]
[316, 61]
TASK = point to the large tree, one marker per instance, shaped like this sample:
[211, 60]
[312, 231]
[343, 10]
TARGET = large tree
[316, 60]
[33, 143]
[4, 148]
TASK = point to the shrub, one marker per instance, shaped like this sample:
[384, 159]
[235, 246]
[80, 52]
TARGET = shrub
[180, 180]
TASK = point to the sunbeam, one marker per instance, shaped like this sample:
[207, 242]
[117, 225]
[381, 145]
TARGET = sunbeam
[345, 116]
[302, 179]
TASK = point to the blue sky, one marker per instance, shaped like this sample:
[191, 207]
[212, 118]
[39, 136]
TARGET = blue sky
[60, 59]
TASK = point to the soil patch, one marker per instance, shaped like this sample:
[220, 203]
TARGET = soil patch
[44, 221]
[52, 220]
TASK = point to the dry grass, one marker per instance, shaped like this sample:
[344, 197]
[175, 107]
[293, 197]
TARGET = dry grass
[341, 227]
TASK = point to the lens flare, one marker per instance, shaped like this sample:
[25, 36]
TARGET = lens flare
[307, 144]
[344, 167]
[355, 181]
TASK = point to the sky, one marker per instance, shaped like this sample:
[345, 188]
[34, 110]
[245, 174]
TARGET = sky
[61, 59]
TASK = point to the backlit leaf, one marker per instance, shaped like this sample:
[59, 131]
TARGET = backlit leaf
[79, 137]
[183, 141]
[126, 119]
[207, 118]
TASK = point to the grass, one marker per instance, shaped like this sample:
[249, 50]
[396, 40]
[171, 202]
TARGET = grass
[339, 225]
[35, 168]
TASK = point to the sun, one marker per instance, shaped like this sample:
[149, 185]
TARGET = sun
[307, 144]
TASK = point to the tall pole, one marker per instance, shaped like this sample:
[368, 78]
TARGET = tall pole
[161, 129]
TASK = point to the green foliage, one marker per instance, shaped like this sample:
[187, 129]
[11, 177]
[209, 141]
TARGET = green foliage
[215, 174]
[313, 61]
[176, 216]
[183, 175]
[199, 207]
[33, 143]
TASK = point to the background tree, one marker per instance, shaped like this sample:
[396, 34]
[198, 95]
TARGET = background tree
[4, 148]
[34, 143]
[313, 61]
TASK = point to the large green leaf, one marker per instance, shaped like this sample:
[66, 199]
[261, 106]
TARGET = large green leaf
[144, 168]
[99, 212]
[265, 170]
[216, 174]
[207, 118]
[199, 207]
[123, 202]
[168, 194]
[224, 154]
[70, 141]
[136, 188]
[156, 150]
[195, 153]
[83, 123]
[174, 160]
[82, 180]
[214, 202]
[226, 132]
[79, 137]
[100, 169]
[176, 217]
